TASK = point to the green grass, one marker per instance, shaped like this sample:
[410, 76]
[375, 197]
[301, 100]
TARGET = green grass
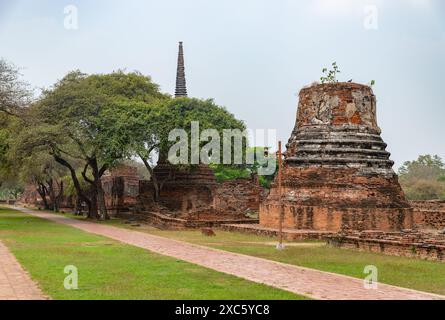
[111, 270]
[399, 271]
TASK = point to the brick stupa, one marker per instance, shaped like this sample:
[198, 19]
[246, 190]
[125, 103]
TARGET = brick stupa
[188, 189]
[337, 174]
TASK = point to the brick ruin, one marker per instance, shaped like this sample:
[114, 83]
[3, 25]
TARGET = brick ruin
[121, 188]
[409, 243]
[337, 173]
[187, 190]
[429, 215]
[194, 194]
[241, 196]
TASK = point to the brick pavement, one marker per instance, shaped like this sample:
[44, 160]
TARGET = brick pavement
[15, 283]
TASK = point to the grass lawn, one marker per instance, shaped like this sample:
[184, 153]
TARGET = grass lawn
[111, 270]
[404, 272]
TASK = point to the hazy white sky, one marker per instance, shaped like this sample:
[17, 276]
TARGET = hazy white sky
[252, 56]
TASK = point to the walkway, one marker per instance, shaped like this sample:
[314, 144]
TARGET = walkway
[313, 283]
[15, 283]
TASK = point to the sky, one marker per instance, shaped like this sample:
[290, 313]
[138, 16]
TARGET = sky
[251, 56]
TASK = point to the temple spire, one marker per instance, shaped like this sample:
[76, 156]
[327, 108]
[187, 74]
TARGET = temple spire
[181, 88]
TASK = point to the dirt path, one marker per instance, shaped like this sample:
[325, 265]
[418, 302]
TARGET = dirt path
[15, 283]
[313, 283]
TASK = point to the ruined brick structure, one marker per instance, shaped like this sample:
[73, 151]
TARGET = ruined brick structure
[194, 191]
[185, 189]
[405, 244]
[337, 173]
[240, 195]
[429, 214]
[121, 187]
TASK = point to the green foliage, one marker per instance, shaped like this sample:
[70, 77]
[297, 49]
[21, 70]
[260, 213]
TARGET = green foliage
[11, 192]
[88, 113]
[14, 93]
[149, 128]
[246, 171]
[423, 179]
[8, 172]
[226, 172]
[330, 76]
[82, 122]
[266, 181]
[180, 113]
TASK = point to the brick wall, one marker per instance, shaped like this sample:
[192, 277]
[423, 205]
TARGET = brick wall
[239, 196]
[429, 214]
[411, 244]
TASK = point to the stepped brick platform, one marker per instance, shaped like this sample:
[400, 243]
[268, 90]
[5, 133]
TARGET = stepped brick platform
[166, 222]
[288, 234]
[411, 244]
[337, 173]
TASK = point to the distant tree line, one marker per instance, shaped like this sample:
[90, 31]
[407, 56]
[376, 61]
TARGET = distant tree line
[424, 178]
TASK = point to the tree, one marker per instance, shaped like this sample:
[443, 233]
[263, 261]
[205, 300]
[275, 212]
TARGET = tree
[80, 120]
[14, 93]
[14, 96]
[41, 170]
[247, 170]
[7, 173]
[152, 139]
[422, 179]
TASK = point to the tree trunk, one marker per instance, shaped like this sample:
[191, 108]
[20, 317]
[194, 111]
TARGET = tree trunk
[96, 184]
[80, 194]
[92, 208]
[52, 195]
[76, 182]
[154, 179]
[59, 197]
[41, 190]
[101, 200]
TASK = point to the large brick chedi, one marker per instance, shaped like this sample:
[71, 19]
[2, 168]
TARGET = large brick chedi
[337, 173]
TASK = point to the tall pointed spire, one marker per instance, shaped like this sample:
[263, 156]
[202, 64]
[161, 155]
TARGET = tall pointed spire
[181, 88]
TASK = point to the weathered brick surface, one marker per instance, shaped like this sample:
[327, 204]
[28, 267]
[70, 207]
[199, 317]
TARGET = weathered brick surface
[121, 187]
[429, 214]
[238, 196]
[167, 222]
[431, 205]
[407, 244]
[15, 282]
[288, 234]
[337, 174]
[187, 190]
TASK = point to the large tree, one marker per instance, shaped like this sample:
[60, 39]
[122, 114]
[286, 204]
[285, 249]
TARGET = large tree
[81, 121]
[150, 130]
[14, 96]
